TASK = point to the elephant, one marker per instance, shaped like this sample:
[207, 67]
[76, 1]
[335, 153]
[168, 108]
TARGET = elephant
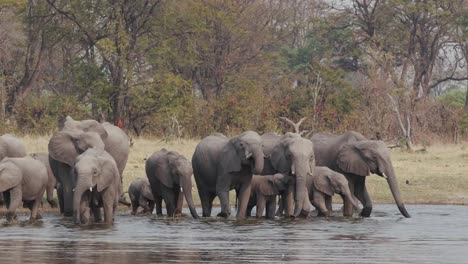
[356, 157]
[264, 190]
[22, 180]
[221, 164]
[73, 139]
[12, 147]
[140, 194]
[98, 185]
[293, 155]
[170, 177]
[51, 181]
[323, 185]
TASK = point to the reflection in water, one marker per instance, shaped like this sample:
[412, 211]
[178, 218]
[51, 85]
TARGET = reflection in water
[435, 234]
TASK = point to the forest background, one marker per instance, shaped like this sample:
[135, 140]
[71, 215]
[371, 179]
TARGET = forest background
[395, 70]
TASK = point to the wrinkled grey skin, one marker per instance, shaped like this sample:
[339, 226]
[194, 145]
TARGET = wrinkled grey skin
[290, 154]
[140, 194]
[97, 185]
[323, 185]
[73, 139]
[22, 180]
[357, 157]
[51, 181]
[170, 178]
[12, 147]
[221, 164]
[264, 190]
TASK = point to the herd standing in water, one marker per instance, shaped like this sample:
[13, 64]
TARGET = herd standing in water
[86, 160]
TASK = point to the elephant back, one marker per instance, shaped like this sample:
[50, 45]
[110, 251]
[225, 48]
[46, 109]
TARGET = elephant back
[117, 145]
[11, 146]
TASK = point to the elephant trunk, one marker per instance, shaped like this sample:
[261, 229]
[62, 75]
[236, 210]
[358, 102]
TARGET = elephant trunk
[391, 179]
[259, 160]
[187, 189]
[301, 172]
[80, 188]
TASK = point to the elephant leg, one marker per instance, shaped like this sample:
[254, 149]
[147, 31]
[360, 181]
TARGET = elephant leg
[134, 208]
[2, 200]
[280, 210]
[362, 195]
[244, 195]
[109, 205]
[328, 203]
[50, 195]
[348, 207]
[15, 202]
[7, 198]
[170, 199]
[319, 201]
[150, 206]
[248, 213]
[260, 205]
[60, 197]
[271, 208]
[158, 203]
[180, 202]
[35, 208]
[144, 204]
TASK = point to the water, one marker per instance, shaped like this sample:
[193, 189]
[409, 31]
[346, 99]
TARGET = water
[434, 234]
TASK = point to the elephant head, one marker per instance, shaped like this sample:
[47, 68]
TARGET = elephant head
[94, 169]
[370, 156]
[295, 155]
[181, 174]
[277, 184]
[88, 125]
[330, 182]
[243, 150]
[66, 145]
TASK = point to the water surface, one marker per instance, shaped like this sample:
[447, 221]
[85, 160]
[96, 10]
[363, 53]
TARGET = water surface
[434, 234]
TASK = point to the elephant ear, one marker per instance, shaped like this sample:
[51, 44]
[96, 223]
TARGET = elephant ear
[278, 158]
[350, 161]
[323, 184]
[109, 174]
[10, 176]
[173, 163]
[164, 169]
[230, 160]
[62, 146]
[268, 187]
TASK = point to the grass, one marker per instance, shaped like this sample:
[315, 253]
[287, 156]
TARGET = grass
[438, 176]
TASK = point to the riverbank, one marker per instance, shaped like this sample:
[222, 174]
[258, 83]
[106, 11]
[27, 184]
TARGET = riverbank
[438, 175]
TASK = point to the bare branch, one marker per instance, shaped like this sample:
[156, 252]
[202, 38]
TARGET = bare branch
[295, 125]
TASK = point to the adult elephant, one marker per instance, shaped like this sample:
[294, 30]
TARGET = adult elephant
[75, 138]
[170, 176]
[11, 147]
[357, 157]
[294, 155]
[221, 164]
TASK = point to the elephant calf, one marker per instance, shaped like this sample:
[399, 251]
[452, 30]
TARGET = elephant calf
[22, 180]
[265, 189]
[323, 185]
[141, 195]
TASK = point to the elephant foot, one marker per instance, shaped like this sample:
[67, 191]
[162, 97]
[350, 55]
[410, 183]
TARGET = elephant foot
[366, 211]
[123, 200]
[223, 214]
[180, 215]
[38, 216]
[52, 203]
[303, 214]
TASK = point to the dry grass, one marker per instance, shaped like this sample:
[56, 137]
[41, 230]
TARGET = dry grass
[438, 176]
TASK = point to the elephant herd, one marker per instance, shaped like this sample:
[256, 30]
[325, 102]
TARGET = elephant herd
[86, 160]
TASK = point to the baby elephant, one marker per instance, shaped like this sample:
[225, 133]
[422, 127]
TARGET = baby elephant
[264, 190]
[323, 185]
[22, 180]
[141, 195]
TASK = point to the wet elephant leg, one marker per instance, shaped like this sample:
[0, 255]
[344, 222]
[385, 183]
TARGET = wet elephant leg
[151, 206]
[348, 207]
[15, 202]
[170, 199]
[244, 195]
[362, 195]
[328, 203]
[260, 206]
[319, 201]
[158, 203]
[271, 208]
[225, 206]
[206, 201]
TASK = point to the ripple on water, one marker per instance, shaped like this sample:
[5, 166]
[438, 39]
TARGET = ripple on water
[432, 235]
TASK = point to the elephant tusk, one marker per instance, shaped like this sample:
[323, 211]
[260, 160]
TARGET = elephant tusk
[310, 173]
[248, 155]
[384, 176]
